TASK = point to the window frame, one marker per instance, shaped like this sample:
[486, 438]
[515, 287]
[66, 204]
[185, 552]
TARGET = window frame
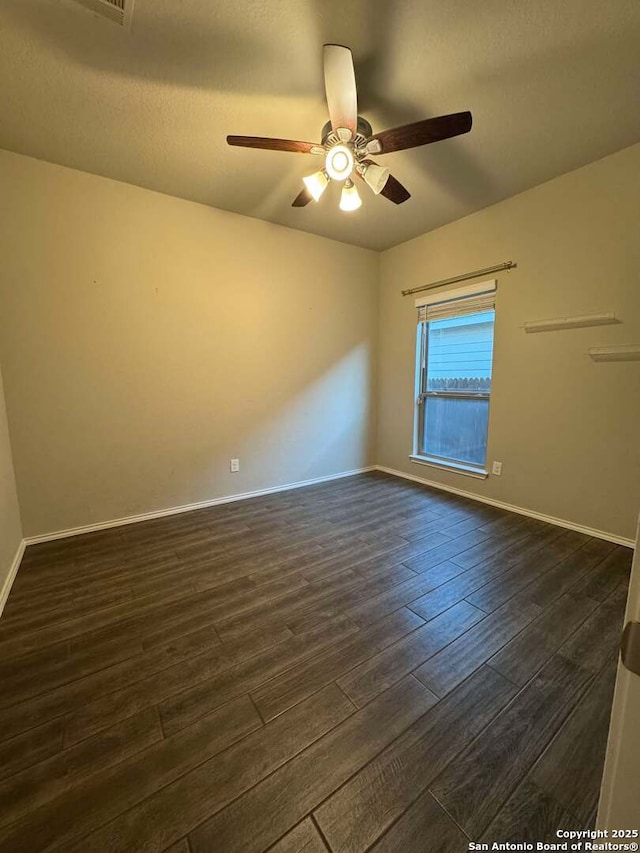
[422, 394]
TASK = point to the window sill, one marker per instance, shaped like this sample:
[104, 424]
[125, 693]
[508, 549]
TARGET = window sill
[455, 467]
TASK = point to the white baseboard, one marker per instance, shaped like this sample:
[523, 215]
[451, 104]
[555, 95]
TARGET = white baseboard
[13, 571]
[550, 519]
[177, 510]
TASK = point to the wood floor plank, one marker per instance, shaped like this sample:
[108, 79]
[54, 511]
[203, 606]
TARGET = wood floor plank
[476, 784]
[454, 528]
[599, 636]
[494, 567]
[193, 688]
[424, 826]
[292, 609]
[196, 651]
[135, 570]
[532, 574]
[233, 604]
[162, 625]
[362, 810]
[36, 661]
[510, 521]
[297, 683]
[576, 569]
[522, 657]
[442, 672]
[189, 704]
[269, 636]
[181, 846]
[447, 551]
[135, 627]
[569, 771]
[376, 607]
[34, 681]
[385, 668]
[101, 596]
[358, 551]
[18, 644]
[465, 582]
[529, 816]
[344, 599]
[179, 807]
[422, 525]
[30, 748]
[611, 572]
[100, 798]
[303, 838]
[525, 551]
[280, 801]
[494, 544]
[26, 791]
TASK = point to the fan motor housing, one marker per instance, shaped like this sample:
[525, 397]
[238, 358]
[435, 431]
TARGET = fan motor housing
[363, 132]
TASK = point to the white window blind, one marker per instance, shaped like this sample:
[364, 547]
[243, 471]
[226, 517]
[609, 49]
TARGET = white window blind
[471, 299]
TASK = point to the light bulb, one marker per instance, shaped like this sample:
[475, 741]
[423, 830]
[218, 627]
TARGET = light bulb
[350, 199]
[339, 162]
[375, 176]
[316, 184]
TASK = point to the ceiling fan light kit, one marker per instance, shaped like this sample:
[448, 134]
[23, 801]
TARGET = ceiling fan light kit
[348, 140]
[339, 162]
[375, 177]
[317, 183]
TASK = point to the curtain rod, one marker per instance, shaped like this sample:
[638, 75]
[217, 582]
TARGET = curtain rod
[508, 265]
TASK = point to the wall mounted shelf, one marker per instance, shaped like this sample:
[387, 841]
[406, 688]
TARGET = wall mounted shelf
[576, 322]
[625, 353]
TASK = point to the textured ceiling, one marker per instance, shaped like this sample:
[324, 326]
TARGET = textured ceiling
[551, 85]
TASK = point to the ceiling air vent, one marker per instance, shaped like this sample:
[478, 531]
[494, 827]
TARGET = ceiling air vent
[118, 11]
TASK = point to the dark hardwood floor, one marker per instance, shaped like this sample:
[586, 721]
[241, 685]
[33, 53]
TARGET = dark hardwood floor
[366, 664]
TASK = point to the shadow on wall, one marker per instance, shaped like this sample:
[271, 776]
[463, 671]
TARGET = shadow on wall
[326, 427]
[320, 426]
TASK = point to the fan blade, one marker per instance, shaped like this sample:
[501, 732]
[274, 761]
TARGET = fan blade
[269, 144]
[423, 132]
[303, 198]
[394, 191]
[340, 87]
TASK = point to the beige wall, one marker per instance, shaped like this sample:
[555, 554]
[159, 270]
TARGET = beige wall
[565, 428]
[10, 528]
[145, 340]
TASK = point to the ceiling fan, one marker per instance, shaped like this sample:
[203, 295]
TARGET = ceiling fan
[348, 139]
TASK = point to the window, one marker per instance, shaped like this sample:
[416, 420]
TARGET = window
[455, 353]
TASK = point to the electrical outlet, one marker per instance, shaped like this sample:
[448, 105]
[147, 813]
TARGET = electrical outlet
[234, 465]
[496, 469]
